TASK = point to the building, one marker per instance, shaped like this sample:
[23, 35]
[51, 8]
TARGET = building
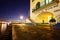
[43, 10]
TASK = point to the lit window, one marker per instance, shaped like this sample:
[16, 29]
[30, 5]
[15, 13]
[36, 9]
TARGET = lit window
[48, 1]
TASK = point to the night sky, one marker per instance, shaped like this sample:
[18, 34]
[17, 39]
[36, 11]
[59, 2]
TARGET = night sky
[12, 9]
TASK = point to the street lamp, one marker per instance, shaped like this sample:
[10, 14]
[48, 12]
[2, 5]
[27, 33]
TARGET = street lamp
[21, 17]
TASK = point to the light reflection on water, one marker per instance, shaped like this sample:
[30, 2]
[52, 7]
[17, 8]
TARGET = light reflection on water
[3, 27]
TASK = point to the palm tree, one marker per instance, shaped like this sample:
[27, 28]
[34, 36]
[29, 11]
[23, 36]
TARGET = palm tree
[52, 22]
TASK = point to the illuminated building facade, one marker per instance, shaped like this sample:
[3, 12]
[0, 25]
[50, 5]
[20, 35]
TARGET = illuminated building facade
[43, 10]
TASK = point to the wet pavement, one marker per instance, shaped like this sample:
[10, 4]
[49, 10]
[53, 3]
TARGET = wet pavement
[7, 34]
[30, 32]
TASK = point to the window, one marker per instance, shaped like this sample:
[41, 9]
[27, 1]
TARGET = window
[50, 1]
[38, 5]
[47, 1]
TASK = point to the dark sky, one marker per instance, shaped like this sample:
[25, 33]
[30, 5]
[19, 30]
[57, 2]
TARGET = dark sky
[12, 9]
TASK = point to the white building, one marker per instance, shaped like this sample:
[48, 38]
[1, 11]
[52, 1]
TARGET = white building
[37, 7]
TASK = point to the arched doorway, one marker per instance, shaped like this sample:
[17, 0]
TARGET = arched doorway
[44, 17]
